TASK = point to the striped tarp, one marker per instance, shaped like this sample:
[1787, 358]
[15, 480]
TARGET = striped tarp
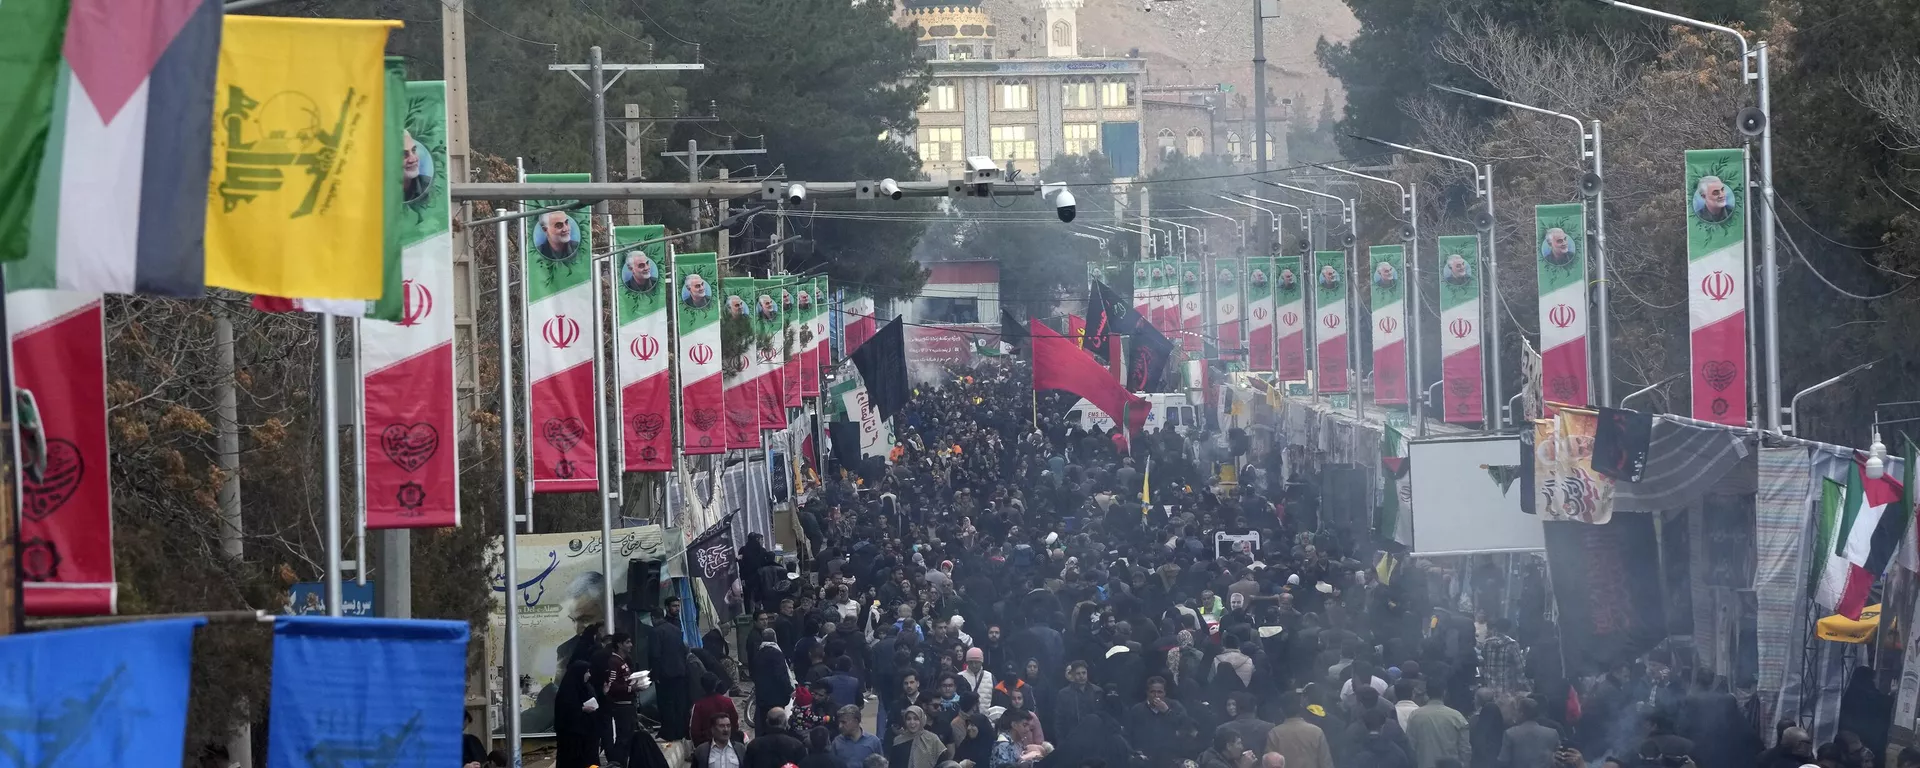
[1783, 518]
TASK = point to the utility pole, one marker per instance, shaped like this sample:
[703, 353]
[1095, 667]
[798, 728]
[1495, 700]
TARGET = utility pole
[597, 84]
[1260, 80]
[396, 546]
[693, 160]
[635, 132]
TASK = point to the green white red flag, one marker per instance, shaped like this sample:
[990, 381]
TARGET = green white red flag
[641, 304]
[1717, 283]
[1388, 290]
[1560, 237]
[697, 305]
[1331, 321]
[1463, 384]
[406, 366]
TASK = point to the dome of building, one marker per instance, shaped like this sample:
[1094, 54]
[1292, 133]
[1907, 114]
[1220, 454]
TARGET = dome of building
[951, 29]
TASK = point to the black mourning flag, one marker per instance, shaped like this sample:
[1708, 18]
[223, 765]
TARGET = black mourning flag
[845, 438]
[883, 366]
[1148, 351]
[1014, 333]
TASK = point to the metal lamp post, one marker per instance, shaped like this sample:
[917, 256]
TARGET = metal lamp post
[1273, 216]
[1753, 69]
[1409, 207]
[1483, 189]
[1306, 219]
[1589, 150]
[1239, 226]
[1349, 212]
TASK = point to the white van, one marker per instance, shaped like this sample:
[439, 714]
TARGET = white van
[1168, 408]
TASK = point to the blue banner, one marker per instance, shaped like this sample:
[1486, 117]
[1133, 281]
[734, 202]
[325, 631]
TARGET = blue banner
[367, 691]
[114, 695]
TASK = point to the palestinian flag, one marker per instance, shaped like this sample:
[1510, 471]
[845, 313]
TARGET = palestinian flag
[106, 107]
[1870, 523]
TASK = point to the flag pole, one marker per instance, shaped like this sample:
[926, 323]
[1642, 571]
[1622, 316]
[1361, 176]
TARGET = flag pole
[330, 473]
[510, 560]
[600, 442]
[359, 461]
[526, 343]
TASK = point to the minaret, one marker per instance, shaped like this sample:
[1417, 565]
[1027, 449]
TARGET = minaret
[1063, 28]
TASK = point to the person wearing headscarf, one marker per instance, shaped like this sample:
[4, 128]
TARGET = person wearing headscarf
[574, 725]
[915, 747]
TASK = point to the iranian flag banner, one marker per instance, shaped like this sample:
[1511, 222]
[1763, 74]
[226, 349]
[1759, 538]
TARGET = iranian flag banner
[1228, 313]
[640, 308]
[65, 551]
[696, 318]
[1331, 321]
[406, 367]
[1143, 289]
[1716, 279]
[814, 300]
[1560, 234]
[1193, 316]
[1460, 373]
[1259, 295]
[557, 260]
[769, 360]
[1290, 318]
[1389, 303]
[1166, 297]
[792, 350]
[742, 373]
[857, 319]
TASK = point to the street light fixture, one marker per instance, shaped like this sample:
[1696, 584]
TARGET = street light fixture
[1483, 189]
[1349, 213]
[1592, 185]
[1409, 207]
[1238, 225]
[1753, 69]
[1306, 224]
[1273, 216]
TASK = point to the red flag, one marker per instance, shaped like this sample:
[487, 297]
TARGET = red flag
[1060, 364]
[1077, 331]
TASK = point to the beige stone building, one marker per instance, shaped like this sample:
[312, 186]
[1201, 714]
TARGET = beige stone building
[1022, 112]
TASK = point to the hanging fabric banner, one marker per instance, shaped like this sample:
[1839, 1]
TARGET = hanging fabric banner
[1716, 279]
[1143, 288]
[1389, 304]
[1228, 313]
[1290, 319]
[640, 344]
[1330, 321]
[1193, 315]
[712, 560]
[557, 261]
[406, 367]
[66, 500]
[857, 319]
[1166, 298]
[110, 695]
[1464, 384]
[740, 371]
[850, 396]
[814, 301]
[1259, 313]
[360, 691]
[1560, 231]
[793, 352]
[696, 317]
[769, 360]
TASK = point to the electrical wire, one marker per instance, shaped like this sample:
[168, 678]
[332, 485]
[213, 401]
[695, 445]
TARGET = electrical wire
[656, 25]
[489, 24]
[1817, 233]
[1829, 283]
[1248, 174]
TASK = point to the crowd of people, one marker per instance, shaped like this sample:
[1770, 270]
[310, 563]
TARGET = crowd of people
[996, 595]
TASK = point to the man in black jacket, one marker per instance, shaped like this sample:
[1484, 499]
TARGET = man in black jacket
[667, 660]
[772, 684]
[774, 745]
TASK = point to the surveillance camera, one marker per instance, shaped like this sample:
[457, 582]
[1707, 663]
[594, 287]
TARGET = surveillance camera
[796, 193]
[890, 188]
[981, 170]
[1063, 203]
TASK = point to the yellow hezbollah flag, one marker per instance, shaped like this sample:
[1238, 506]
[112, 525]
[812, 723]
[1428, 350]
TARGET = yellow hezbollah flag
[295, 203]
[1841, 629]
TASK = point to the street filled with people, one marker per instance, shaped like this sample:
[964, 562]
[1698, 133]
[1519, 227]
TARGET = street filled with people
[1007, 590]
